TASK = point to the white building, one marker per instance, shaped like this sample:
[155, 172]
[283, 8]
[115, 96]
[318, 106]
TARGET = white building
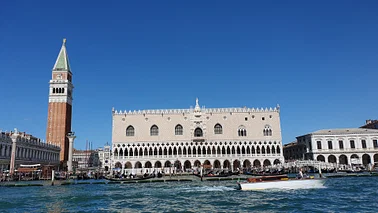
[354, 146]
[221, 138]
[28, 150]
[104, 155]
[84, 159]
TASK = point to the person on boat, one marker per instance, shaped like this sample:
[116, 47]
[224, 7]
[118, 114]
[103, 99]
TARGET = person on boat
[300, 174]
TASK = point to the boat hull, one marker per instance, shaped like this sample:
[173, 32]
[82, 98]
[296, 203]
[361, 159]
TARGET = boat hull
[283, 184]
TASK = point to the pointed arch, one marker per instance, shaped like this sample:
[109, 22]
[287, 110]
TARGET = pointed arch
[165, 151]
[267, 162]
[187, 165]
[226, 164]
[217, 164]
[170, 151]
[256, 163]
[154, 130]
[198, 132]
[184, 150]
[150, 152]
[148, 164]
[130, 131]
[218, 129]
[179, 130]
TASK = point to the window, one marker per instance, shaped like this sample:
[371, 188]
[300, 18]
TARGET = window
[267, 131]
[198, 132]
[341, 144]
[242, 131]
[319, 143]
[246, 119]
[154, 130]
[363, 143]
[178, 130]
[330, 145]
[375, 143]
[130, 131]
[352, 145]
[218, 129]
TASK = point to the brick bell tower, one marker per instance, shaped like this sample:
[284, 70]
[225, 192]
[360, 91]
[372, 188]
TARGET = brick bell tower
[60, 105]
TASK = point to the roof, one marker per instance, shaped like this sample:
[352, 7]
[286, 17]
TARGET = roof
[62, 62]
[345, 131]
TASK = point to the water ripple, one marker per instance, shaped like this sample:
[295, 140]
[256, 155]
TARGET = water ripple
[338, 195]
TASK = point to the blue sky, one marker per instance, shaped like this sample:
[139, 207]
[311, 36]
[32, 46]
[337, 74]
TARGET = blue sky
[318, 60]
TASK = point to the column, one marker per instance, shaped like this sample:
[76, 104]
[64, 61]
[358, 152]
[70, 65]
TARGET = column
[13, 152]
[71, 137]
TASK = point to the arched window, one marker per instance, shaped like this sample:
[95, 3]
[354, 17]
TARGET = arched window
[242, 131]
[267, 131]
[130, 131]
[178, 130]
[198, 132]
[154, 130]
[218, 129]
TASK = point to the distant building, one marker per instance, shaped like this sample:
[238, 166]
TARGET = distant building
[218, 138]
[83, 159]
[104, 155]
[354, 146]
[370, 124]
[294, 151]
[28, 150]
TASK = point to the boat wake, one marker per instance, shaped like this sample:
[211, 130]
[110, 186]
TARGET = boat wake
[208, 189]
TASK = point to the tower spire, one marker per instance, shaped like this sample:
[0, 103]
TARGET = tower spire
[62, 62]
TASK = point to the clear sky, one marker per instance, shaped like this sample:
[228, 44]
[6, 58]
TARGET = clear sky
[317, 59]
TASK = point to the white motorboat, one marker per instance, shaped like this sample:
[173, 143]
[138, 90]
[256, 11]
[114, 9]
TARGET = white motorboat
[261, 183]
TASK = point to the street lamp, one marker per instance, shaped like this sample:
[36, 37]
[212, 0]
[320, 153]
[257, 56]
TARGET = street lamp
[71, 136]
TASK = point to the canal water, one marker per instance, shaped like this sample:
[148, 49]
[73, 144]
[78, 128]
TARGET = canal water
[351, 194]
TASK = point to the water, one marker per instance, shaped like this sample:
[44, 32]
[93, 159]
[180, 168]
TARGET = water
[352, 194]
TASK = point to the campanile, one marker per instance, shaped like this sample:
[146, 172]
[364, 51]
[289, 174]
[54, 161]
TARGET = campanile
[60, 104]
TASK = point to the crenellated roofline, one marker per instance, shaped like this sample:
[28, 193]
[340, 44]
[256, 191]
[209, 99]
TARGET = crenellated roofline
[191, 110]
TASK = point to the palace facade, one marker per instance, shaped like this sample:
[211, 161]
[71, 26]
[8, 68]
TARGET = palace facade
[181, 139]
[27, 149]
[353, 146]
